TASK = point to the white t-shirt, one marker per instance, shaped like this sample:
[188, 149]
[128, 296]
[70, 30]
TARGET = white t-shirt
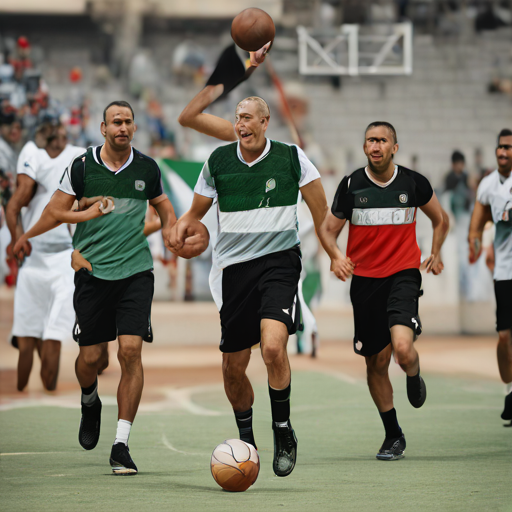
[496, 191]
[46, 172]
[205, 186]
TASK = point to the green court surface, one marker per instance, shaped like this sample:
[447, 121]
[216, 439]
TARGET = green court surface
[458, 457]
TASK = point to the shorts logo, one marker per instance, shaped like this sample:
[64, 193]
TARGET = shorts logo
[403, 198]
[359, 346]
[140, 185]
[270, 185]
[363, 200]
[77, 329]
[222, 341]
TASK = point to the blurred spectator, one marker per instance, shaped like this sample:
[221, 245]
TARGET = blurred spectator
[20, 61]
[5, 189]
[10, 136]
[457, 183]
[355, 11]
[487, 19]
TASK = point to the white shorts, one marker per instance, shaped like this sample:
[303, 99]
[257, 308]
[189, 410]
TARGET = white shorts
[43, 300]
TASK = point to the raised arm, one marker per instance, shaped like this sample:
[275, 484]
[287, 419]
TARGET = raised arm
[441, 225]
[229, 72]
[481, 215]
[193, 116]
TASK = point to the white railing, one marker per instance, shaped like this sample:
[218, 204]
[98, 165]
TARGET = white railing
[347, 51]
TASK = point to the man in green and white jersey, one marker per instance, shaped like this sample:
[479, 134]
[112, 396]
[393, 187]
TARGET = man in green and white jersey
[494, 202]
[113, 293]
[256, 260]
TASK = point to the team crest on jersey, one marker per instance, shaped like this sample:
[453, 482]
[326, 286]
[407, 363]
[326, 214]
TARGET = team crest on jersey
[140, 185]
[270, 185]
[403, 198]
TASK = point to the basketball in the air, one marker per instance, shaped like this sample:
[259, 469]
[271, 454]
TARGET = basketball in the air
[235, 465]
[197, 239]
[252, 29]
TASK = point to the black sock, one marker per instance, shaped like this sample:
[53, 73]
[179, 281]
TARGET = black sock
[391, 423]
[280, 403]
[90, 394]
[244, 424]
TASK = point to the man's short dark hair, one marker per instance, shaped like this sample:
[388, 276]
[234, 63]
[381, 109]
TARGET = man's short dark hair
[457, 156]
[389, 126]
[119, 103]
[504, 133]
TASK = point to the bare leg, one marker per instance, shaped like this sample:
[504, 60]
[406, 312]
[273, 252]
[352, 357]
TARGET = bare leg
[130, 387]
[405, 353]
[50, 358]
[505, 355]
[236, 383]
[89, 361]
[274, 338]
[378, 379]
[26, 347]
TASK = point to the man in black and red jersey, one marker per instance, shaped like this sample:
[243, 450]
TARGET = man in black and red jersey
[380, 202]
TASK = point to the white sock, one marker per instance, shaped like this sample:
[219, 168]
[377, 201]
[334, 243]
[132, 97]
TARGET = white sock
[123, 432]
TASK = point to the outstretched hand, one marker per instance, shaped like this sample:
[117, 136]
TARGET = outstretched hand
[258, 57]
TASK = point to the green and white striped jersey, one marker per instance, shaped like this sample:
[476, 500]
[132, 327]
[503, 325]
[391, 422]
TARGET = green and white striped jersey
[257, 201]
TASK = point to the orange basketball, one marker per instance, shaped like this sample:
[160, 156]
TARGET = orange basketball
[235, 465]
[252, 29]
[196, 241]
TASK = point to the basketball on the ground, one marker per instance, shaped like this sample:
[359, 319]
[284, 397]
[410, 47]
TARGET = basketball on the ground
[197, 239]
[235, 465]
[252, 29]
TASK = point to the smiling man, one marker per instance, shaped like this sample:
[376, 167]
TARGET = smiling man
[494, 202]
[256, 260]
[380, 203]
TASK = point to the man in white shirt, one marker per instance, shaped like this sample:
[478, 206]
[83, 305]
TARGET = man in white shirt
[43, 301]
[494, 202]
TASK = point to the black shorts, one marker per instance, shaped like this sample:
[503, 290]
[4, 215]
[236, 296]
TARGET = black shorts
[265, 287]
[381, 303]
[503, 291]
[108, 309]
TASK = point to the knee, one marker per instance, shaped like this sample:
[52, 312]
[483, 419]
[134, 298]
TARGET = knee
[128, 356]
[91, 358]
[272, 352]
[231, 369]
[403, 353]
[377, 365]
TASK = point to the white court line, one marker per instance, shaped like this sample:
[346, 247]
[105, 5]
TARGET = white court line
[341, 376]
[28, 453]
[166, 443]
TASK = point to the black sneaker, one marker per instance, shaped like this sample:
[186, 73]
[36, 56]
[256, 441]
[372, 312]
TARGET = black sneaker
[120, 460]
[392, 448]
[285, 449]
[507, 412]
[416, 391]
[89, 432]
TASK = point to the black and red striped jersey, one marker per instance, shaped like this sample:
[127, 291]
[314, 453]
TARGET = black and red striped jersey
[382, 231]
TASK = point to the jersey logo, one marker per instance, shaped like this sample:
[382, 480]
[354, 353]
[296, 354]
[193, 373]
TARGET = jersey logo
[139, 185]
[382, 216]
[270, 185]
[403, 198]
[26, 164]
